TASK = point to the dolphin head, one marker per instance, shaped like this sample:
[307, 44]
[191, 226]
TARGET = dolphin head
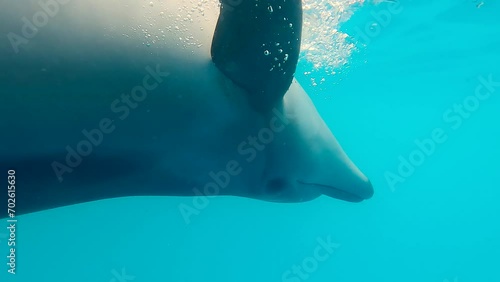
[305, 160]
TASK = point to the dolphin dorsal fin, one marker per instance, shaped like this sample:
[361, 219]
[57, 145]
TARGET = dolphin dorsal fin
[256, 44]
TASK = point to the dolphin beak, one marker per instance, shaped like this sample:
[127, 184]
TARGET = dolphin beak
[324, 166]
[337, 176]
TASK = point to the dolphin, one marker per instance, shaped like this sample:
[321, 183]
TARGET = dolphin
[106, 99]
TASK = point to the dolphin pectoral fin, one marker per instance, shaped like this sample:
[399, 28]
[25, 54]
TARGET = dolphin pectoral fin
[256, 44]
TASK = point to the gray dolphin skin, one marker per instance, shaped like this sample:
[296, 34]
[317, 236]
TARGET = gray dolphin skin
[105, 99]
[248, 29]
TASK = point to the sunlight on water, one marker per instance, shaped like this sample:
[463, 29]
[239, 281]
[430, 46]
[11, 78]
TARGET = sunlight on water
[323, 45]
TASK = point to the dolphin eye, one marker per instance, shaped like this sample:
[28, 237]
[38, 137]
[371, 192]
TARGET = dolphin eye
[275, 186]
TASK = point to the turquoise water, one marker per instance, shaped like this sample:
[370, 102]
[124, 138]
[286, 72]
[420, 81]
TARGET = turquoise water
[436, 222]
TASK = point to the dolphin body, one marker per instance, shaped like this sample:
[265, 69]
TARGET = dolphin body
[104, 99]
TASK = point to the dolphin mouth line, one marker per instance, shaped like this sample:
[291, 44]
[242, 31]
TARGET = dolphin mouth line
[334, 192]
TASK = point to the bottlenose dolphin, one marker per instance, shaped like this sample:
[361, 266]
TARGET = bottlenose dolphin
[104, 99]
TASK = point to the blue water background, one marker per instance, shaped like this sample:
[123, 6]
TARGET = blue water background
[441, 224]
